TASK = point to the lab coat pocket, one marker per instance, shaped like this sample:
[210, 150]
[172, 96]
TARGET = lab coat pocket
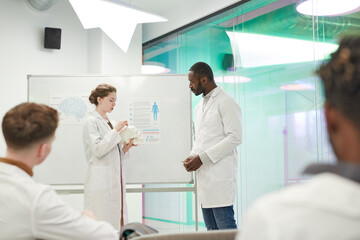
[222, 170]
[99, 177]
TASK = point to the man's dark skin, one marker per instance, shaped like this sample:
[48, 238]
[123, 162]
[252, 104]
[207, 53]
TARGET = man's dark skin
[344, 135]
[198, 86]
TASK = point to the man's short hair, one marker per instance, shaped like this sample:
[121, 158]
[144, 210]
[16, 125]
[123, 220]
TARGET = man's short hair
[28, 123]
[202, 69]
[341, 78]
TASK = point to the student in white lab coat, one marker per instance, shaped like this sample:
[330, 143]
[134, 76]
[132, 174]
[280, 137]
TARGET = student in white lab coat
[105, 189]
[328, 205]
[214, 155]
[30, 210]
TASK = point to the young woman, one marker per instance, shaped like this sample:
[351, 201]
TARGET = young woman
[104, 189]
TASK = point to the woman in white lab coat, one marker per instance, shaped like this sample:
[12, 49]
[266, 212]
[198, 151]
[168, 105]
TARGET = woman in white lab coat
[104, 190]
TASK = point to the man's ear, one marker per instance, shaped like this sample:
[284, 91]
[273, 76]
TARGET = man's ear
[42, 152]
[203, 80]
[331, 116]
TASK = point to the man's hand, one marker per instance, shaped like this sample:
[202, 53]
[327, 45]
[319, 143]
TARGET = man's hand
[192, 163]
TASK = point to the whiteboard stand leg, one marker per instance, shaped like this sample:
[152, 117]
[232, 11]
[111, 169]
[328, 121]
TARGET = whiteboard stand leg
[196, 205]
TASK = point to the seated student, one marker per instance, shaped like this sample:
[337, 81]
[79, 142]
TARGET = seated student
[30, 210]
[328, 205]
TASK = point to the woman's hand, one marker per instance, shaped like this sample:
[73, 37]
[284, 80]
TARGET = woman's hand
[127, 147]
[120, 125]
[90, 214]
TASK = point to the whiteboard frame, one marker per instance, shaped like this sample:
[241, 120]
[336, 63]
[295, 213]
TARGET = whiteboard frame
[64, 189]
[192, 177]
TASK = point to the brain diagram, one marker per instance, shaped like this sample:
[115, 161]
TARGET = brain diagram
[73, 106]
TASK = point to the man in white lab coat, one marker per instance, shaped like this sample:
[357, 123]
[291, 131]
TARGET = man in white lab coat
[328, 205]
[30, 210]
[217, 123]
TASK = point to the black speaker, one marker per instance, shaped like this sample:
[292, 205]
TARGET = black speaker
[228, 62]
[52, 38]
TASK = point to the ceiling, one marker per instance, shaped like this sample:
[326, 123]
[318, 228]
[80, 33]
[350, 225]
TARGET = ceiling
[182, 12]
[178, 12]
[160, 7]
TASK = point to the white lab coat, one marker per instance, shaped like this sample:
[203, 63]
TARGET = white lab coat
[30, 210]
[102, 190]
[217, 133]
[325, 207]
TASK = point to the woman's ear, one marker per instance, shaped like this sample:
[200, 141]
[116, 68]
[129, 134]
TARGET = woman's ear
[98, 99]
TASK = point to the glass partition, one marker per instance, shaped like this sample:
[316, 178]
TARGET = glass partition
[265, 54]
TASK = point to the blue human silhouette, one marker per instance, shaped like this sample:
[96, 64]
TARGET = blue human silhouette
[155, 110]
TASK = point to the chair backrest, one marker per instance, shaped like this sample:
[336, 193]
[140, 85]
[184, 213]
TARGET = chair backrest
[135, 229]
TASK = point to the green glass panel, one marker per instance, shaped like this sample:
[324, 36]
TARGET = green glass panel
[265, 55]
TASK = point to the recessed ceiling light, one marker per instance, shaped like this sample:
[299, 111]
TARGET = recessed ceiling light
[297, 87]
[327, 7]
[153, 68]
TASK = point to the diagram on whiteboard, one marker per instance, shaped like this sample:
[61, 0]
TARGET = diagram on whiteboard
[155, 110]
[72, 109]
[145, 116]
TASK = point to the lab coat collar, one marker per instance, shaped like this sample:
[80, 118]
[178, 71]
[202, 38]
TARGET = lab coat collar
[211, 100]
[217, 90]
[96, 114]
[347, 170]
[20, 165]
[209, 94]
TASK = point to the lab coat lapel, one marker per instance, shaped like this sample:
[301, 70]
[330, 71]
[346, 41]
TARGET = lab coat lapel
[208, 105]
[101, 119]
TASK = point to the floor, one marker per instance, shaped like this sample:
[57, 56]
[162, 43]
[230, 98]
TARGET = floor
[166, 227]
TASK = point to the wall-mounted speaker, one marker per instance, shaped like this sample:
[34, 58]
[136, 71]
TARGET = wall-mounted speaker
[228, 62]
[52, 38]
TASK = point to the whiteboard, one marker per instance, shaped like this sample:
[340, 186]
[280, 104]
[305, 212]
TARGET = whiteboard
[156, 161]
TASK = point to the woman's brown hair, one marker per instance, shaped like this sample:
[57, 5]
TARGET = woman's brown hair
[101, 91]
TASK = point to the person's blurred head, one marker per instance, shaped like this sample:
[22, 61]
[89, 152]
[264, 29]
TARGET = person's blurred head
[200, 78]
[341, 82]
[104, 97]
[30, 125]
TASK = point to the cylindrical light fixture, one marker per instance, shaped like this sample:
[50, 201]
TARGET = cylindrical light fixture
[153, 68]
[327, 7]
[41, 5]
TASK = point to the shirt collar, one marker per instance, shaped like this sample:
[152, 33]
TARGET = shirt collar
[347, 170]
[20, 165]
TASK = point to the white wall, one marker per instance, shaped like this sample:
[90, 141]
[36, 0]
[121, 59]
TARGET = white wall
[82, 52]
[107, 58]
[22, 52]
